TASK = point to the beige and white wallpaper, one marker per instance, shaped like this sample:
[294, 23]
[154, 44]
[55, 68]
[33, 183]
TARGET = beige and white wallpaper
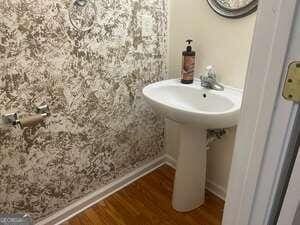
[100, 127]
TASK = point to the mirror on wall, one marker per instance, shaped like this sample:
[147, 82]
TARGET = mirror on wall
[233, 8]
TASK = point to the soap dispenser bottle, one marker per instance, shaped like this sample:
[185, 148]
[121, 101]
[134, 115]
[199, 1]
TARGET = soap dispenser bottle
[188, 64]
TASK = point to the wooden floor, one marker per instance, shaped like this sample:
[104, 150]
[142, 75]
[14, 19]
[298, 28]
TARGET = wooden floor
[148, 201]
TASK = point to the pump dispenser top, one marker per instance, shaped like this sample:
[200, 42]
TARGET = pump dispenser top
[189, 47]
[188, 64]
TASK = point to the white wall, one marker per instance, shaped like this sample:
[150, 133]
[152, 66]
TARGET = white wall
[224, 43]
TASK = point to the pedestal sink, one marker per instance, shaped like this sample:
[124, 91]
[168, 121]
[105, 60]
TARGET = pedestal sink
[196, 109]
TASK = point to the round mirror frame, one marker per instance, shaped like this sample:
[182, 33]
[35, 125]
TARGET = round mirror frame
[233, 13]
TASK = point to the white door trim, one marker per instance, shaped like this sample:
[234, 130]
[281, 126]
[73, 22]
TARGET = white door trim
[292, 200]
[261, 95]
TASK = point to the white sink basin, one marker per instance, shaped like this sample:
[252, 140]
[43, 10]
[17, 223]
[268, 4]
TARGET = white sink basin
[195, 105]
[196, 109]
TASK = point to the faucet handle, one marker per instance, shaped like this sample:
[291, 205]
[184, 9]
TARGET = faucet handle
[209, 80]
[210, 68]
[210, 74]
[210, 71]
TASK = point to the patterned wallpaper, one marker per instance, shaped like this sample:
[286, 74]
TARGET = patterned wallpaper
[100, 127]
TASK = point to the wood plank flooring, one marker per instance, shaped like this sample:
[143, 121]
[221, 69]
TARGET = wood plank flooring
[148, 202]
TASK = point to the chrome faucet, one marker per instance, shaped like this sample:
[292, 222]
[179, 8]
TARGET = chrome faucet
[209, 80]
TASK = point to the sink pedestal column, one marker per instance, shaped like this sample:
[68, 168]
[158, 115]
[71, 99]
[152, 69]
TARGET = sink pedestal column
[190, 178]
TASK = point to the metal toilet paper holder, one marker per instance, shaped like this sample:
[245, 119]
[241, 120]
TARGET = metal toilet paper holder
[12, 119]
[43, 110]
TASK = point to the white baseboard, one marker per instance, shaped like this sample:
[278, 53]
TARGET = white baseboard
[93, 198]
[102, 193]
[216, 189]
[170, 161]
[210, 185]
